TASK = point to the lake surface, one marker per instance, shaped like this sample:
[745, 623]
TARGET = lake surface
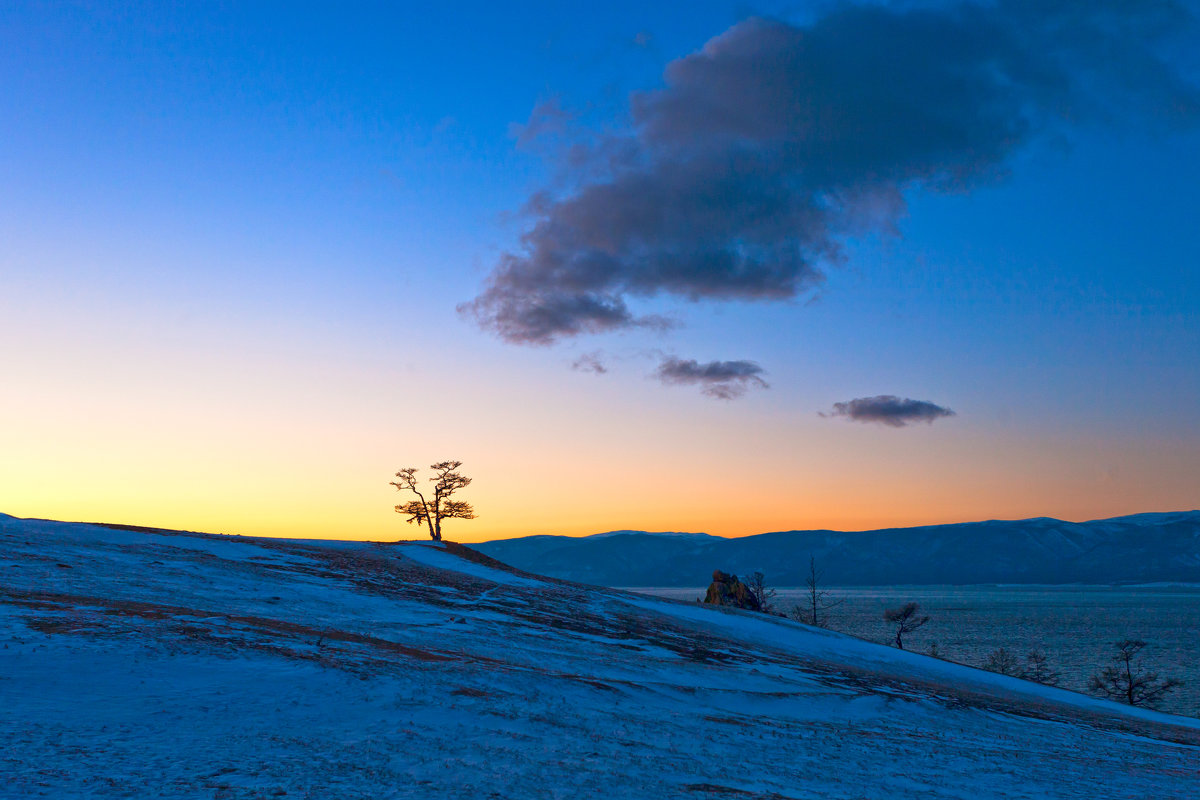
[1074, 625]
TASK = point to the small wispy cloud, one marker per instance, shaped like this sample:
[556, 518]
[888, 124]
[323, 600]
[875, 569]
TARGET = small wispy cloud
[890, 410]
[724, 380]
[590, 362]
[548, 118]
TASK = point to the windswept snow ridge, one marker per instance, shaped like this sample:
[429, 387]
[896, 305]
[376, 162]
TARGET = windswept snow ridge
[142, 663]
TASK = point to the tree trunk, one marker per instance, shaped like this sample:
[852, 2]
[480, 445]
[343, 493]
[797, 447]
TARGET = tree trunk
[436, 535]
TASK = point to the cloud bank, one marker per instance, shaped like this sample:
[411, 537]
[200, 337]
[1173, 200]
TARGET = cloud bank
[887, 409]
[768, 148]
[724, 380]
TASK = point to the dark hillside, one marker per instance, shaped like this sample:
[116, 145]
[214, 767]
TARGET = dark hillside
[1145, 548]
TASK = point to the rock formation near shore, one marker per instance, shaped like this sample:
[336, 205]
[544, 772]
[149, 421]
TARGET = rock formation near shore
[727, 590]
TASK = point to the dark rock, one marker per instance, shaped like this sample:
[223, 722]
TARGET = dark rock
[727, 590]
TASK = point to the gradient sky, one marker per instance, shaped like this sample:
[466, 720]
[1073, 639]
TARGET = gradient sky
[233, 239]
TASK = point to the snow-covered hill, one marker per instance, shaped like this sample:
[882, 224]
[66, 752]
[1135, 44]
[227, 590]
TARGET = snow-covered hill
[142, 663]
[1143, 548]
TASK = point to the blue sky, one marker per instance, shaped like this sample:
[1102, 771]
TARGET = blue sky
[241, 230]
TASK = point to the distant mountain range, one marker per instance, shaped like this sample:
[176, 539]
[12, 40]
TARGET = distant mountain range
[1144, 548]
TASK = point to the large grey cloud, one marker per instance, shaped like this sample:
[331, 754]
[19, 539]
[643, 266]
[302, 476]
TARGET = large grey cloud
[724, 380]
[742, 176]
[887, 409]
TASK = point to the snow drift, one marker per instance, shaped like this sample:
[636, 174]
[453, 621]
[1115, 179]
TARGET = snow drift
[141, 662]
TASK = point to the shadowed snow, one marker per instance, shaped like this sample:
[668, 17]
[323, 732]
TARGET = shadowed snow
[141, 663]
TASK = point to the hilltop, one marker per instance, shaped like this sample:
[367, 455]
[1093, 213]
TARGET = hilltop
[1144, 548]
[166, 664]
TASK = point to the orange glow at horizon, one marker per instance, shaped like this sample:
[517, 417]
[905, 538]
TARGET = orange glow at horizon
[256, 479]
[195, 430]
[230, 297]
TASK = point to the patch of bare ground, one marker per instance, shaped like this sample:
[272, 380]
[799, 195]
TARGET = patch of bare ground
[729, 791]
[379, 572]
[738, 721]
[914, 689]
[75, 614]
[563, 608]
[476, 557]
[116, 526]
[375, 570]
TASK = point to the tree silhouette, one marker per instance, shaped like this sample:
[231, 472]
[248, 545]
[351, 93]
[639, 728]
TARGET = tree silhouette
[1038, 669]
[905, 619]
[757, 584]
[1128, 682]
[816, 602]
[1002, 661]
[446, 481]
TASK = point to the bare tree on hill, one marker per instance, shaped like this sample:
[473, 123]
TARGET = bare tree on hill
[906, 620]
[446, 481]
[757, 584]
[812, 612]
[1038, 669]
[1003, 662]
[1128, 682]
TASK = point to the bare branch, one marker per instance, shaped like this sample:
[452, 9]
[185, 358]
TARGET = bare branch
[457, 509]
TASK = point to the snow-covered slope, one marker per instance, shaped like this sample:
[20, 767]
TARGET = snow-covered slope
[155, 664]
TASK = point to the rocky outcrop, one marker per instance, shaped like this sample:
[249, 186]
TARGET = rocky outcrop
[727, 590]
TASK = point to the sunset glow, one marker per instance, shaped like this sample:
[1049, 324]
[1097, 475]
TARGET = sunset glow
[239, 255]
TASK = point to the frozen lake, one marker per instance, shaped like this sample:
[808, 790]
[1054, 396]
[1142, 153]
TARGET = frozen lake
[1074, 625]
